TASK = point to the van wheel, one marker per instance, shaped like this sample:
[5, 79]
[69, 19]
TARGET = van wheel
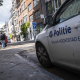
[43, 56]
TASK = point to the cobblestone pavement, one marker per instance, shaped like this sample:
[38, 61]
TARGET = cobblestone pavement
[13, 67]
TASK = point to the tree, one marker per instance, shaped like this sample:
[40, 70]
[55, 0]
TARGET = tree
[27, 24]
[11, 36]
[1, 1]
[24, 28]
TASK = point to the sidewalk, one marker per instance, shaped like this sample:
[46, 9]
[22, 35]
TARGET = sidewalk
[31, 41]
[13, 67]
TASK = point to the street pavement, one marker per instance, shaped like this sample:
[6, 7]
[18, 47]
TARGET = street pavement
[57, 70]
[15, 67]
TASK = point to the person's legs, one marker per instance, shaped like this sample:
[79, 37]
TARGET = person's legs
[0, 44]
[3, 45]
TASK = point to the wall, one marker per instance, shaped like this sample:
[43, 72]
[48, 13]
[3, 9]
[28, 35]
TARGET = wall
[24, 13]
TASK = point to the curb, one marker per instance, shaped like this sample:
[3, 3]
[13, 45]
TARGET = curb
[15, 43]
[37, 68]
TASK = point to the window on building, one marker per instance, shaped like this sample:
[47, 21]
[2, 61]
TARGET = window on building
[53, 6]
[24, 4]
[30, 7]
[11, 29]
[20, 23]
[36, 2]
[8, 29]
[24, 19]
[49, 8]
[37, 14]
[14, 14]
[18, 13]
[57, 4]
[31, 18]
[14, 22]
[17, 21]
[20, 10]
[11, 23]
[18, 29]
[13, 6]
[22, 7]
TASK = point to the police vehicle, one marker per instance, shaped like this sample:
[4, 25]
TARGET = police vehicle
[59, 42]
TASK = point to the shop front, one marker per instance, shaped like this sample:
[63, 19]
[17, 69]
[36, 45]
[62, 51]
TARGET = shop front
[39, 28]
[33, 32]
[30, 33]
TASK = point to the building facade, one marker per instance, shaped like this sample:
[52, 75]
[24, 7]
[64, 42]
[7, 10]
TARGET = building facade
[10, 24]
[23, 11]
[18, 3]
[33, 15]
[6, 29]
[37, 7]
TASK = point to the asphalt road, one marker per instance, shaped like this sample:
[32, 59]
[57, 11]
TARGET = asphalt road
[30, 54]
[56, 70]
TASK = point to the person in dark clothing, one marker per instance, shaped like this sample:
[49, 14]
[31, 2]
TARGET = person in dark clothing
[5, 40]
[0, 36]
[2, 40]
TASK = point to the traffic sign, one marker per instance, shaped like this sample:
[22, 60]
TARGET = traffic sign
[34, 25]
[42, 15]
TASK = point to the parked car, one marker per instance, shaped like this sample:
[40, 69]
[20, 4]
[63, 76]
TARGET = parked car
[59, 42]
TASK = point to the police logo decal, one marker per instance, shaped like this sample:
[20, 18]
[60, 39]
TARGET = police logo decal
[51, 34]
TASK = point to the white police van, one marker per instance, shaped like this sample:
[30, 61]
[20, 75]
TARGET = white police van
[59, 42]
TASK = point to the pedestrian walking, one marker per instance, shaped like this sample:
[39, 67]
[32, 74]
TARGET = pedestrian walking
[5, 40]
[2, 40]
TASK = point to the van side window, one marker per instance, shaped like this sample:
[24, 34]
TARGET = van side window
[72, 10]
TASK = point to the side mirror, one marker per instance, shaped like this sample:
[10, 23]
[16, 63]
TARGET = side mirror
[48, 20]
